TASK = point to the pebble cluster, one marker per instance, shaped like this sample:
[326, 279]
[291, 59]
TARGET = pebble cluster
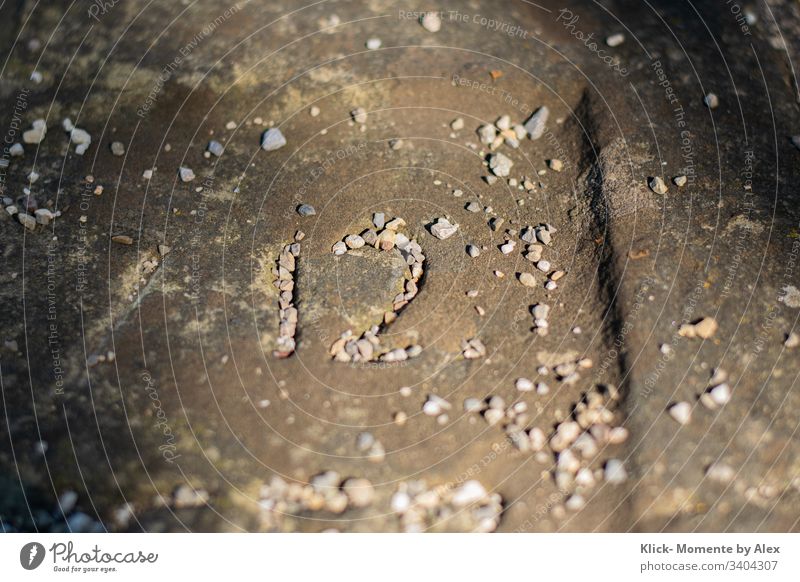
[716, 395]
[473, 349]
[326, 491]
[465, 507]
[438, 407]
[385, 236]
[284, 282]
[25, 209]
[575, 441]
[703, 328]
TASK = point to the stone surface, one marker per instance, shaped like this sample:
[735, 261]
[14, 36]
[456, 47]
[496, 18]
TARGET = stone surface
[195, 330]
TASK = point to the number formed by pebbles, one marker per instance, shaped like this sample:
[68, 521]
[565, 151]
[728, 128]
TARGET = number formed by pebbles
[385, 236]
[284, 281]
[467, 507]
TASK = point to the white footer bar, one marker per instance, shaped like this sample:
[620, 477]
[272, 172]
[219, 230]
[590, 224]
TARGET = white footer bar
[390, 557]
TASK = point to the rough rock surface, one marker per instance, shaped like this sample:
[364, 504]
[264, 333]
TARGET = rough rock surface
[128, 376]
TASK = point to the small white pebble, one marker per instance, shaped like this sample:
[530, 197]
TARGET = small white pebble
[524, 384]
[681, 412]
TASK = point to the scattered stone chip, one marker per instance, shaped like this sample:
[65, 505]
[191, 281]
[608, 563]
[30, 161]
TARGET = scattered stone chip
[500, 165]
[272, 139]
[215, 148]
[657, 185]
[186, 174]
[442, 229]
[704, 328]
[306, 210]
[431, 21]
[681, 412]
[536, 123]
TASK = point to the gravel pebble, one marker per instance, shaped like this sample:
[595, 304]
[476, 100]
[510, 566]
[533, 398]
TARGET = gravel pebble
[272, 139]
[473, 405]
[720, 472]
[215, 148]
[705, 328]
[36, 134]
[186, 174]
[711, 101]
[306, 210]
[614, 472]
[524, 385]
[374, 44]
[487, 134]
[681, 412]
[500, 165]
[469, 493]
[792, 340]
[536, 123]
[615, 40]
[26, 220]
[359, 115]
[354, 241]
[118, 148]
[508, 247]
[360, 492]
[720, 394]
[657, 185]
[431, 22]
[442, 229]
[81, 139]
[527, 279]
